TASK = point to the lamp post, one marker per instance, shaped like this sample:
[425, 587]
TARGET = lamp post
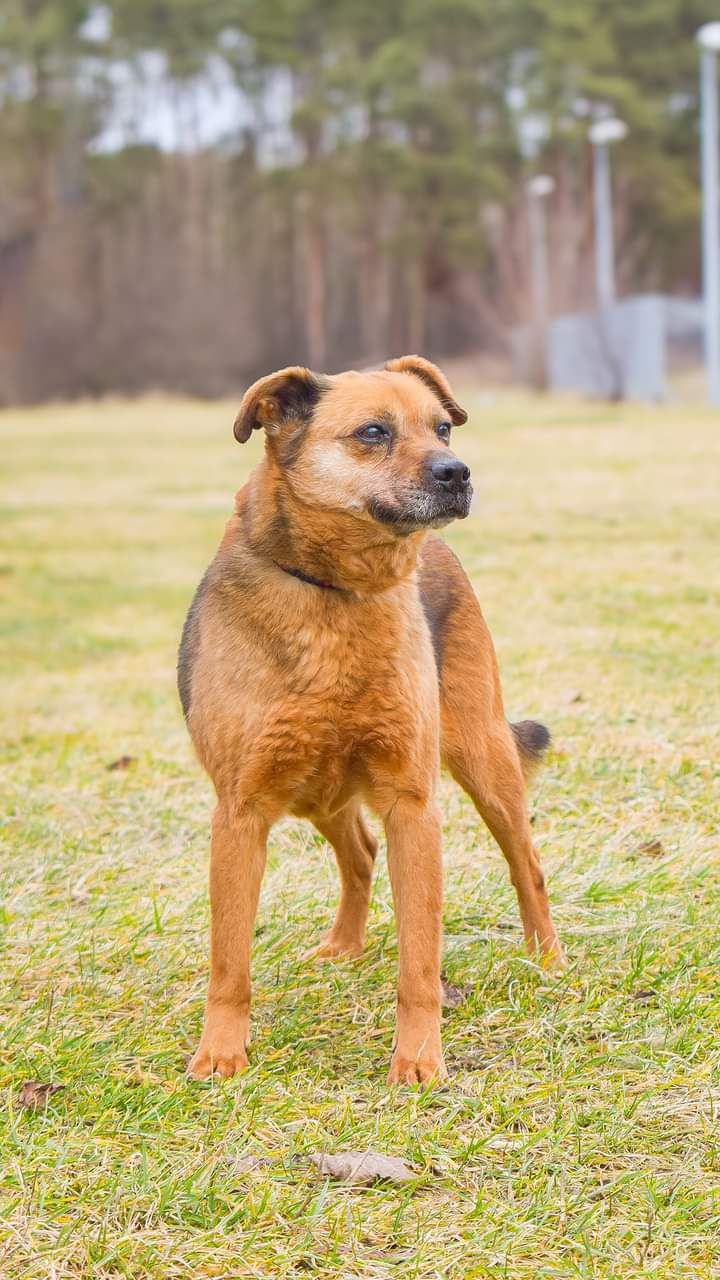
[708, 37]
[538, 189]
[601, 134]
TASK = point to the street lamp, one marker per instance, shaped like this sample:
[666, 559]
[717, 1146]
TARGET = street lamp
[538, 189]
[708, 37]
[601, 134]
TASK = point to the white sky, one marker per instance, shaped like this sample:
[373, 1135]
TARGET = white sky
[148, 106]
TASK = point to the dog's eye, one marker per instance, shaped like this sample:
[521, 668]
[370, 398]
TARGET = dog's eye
[443, 430]
[372, 432]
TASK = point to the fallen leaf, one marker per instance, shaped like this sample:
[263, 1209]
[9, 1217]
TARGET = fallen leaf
[573, 695]
[139, 1075]
[34, 1094]
[452, 996]
[501, 1142]
[122, 762]
[652, 848]
[246, 1164]
[362, 1167]
[392, 1253]
[470, 1061]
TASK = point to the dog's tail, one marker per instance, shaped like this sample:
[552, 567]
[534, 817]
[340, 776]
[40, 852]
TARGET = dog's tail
[532, 741]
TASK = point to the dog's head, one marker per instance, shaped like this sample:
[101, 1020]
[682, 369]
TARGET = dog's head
[375, 445]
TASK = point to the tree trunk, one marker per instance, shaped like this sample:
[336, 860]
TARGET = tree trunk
[313, 281]
[417, 301]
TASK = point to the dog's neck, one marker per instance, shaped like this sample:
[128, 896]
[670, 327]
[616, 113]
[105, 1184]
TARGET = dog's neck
[327, 548]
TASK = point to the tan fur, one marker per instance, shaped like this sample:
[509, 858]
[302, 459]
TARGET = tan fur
[314, 699]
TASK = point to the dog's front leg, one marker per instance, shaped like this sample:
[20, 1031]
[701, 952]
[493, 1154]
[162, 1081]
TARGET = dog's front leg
[415, 864]
[237, 862]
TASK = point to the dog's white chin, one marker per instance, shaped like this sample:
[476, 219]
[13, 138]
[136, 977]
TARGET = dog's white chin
[405, 527]
[434, 519]
[420, 511]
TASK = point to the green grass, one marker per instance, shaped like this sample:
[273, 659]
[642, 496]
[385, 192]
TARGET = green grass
[579, 1134]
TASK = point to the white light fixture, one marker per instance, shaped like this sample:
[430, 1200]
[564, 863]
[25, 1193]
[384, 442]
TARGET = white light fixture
[709, 36]
[541, 185]
[603, 132]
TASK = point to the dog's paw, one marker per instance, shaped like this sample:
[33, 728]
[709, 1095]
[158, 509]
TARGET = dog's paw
[330, 948]
[219, 1059]
[553, 959]
[426, 1069]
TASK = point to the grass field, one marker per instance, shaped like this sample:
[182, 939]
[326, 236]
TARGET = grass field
[579, 1135]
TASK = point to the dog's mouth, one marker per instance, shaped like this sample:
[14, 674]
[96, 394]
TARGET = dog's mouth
[421, 509]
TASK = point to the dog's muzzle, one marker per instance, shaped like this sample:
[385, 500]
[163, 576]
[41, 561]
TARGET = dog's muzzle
[445, 495]
[447, 482]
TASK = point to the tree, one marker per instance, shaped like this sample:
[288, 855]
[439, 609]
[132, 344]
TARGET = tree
[369, 199]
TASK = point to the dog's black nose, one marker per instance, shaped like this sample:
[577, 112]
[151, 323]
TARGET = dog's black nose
[450, 473]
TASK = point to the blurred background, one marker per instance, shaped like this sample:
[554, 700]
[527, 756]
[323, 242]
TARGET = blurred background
[194, 193]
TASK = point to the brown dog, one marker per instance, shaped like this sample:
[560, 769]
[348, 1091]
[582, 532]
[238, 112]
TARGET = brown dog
[333, 653]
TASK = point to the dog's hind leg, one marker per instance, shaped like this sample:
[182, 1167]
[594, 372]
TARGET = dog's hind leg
[489, 770]
[355, 849]
[485, 754]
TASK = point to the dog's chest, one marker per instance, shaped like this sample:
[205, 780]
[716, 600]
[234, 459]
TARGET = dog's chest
[354, 703]
[340, 670]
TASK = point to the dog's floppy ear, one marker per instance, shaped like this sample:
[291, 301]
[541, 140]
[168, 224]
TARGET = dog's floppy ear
[429, 373]
[289, 394]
